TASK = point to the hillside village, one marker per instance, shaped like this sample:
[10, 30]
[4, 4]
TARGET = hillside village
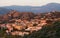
[25, 23]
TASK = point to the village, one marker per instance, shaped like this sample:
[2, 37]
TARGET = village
[24, 27]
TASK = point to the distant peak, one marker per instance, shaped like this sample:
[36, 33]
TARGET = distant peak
[53, 3]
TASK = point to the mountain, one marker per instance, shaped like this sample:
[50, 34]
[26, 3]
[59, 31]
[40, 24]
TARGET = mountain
[45, 8]
[4, 10]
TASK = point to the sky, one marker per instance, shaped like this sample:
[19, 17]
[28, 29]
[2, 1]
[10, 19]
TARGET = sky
[27, 2]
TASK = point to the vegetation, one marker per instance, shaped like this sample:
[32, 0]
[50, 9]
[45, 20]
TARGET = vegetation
[48, 31]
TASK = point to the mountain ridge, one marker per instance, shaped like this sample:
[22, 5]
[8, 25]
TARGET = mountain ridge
[36, 9]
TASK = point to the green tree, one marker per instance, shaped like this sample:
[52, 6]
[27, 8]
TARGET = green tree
[48, 31]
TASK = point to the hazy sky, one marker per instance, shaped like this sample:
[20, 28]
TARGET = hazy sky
[27, 2]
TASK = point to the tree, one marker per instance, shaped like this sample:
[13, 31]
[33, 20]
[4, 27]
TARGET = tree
[48, 31]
